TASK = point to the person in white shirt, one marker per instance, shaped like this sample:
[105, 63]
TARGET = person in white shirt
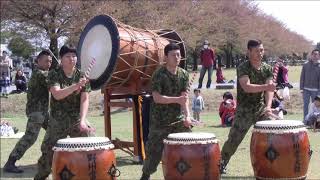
[314, 112]
[197, 104]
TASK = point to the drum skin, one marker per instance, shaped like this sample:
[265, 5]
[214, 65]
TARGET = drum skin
[83, 165]
[132, 56]
[283, 155]
[192, 162]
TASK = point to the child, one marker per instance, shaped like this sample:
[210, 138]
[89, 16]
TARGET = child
[229, 112]
[314, 112]
[4, 83]
[197, 104]
[225, 109]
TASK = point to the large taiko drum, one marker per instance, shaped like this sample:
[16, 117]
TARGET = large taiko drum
[280, 150]
[84, 158]
[191, 156]
[123, 55]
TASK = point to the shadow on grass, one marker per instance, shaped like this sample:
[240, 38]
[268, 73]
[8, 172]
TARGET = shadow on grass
[29, 172]
[127, 161]
[225, 177]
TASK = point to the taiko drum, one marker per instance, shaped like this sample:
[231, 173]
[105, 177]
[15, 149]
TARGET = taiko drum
[191, 156]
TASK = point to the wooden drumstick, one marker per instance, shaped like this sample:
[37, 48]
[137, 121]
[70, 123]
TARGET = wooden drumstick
[87, 73]
[92, 63]
[191, 81]
[275, 71]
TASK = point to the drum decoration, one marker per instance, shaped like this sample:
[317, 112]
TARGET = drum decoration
[90, 158]
[124, 55]
[280, 149]
[191, 156]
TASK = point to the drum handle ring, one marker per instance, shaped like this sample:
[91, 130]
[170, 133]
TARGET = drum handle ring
[113, 171]
[310, 152]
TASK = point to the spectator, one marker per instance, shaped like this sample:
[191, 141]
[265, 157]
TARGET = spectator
[20, 81]
[277, 106]
[197, 104]
[227, 116]
[224, 107]
[4, 85]
[314, 112]
[208, 62]
[282, 77]
[219, 74]
[310, 80]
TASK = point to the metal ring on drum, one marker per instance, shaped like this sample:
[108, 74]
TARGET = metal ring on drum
[123, 54]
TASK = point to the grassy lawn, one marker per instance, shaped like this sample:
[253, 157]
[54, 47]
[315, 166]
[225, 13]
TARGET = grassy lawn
[239, 167]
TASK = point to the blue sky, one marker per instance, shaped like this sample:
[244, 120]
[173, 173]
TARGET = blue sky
[299, 16]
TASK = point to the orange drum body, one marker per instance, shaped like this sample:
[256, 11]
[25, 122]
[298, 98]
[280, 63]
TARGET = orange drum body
[89, 158]
[124, 55]
[280, 150]
[191, 156]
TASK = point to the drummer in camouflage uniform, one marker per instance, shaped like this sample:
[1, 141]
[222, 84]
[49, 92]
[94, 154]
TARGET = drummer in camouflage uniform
[254, 96]
[68, 108]
[169, 111]
[36, 110]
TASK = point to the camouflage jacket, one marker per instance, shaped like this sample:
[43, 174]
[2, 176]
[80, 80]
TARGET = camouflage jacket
[252, 100]
[69, 107]
[167, 84]
[38, 94]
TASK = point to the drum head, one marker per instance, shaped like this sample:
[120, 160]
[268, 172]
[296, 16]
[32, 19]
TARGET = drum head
[279, 126]
[279, 123]
[190, 138]
[83, 144]
[100, 41]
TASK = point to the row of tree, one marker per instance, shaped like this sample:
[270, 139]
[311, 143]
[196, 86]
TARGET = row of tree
[226, 24]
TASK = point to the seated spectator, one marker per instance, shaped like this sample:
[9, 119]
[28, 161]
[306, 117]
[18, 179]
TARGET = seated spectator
[220, 78]
[20, 82]
[226, 108]
[278, 106]
[6, 129]
[229, 112]
[313, 113]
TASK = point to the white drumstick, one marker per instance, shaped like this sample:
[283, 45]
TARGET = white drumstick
[92, 63]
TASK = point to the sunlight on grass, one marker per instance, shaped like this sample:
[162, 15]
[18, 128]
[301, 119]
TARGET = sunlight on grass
[239, 166]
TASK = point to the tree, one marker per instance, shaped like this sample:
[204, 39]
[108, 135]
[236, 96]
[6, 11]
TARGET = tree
[54, 19]
[20, 47]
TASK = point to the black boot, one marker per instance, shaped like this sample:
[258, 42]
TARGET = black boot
[11, 167]
[145, 176]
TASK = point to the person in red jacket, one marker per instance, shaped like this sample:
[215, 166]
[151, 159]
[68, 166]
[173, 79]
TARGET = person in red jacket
[225, 108]
[208, 63]
[229, 112]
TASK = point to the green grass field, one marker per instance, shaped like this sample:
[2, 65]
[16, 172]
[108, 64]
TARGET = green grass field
[239, 166]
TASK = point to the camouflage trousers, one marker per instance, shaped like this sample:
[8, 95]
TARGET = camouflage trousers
[155, 146]
[244, 119]
[56, 130]
[36, 120]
